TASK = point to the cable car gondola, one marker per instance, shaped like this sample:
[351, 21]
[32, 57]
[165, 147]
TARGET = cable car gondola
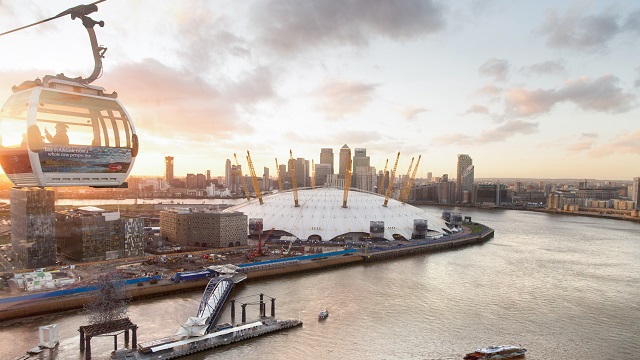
[61, 131]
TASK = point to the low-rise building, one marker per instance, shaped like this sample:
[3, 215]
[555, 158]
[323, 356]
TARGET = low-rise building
[93, 234]
[204, 228]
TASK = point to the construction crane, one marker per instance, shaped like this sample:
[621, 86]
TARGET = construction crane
[313, 175]
[279, 179]
[347, 181]
[254, 179]
[244, 184]
[258, 251]
[382, 178]
[405, 181]
[293, 179]
[391, 177]
[413, 177]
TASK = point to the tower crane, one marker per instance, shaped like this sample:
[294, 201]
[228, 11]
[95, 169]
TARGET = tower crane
[380, 190]
[391, 177]
[244, 184]
[293, 179]
[279, 179]
[254, 179]
[313, 175]
[405, 197]
[347, 181]
[405, 182]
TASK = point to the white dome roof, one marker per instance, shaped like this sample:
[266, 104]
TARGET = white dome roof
[321, 213]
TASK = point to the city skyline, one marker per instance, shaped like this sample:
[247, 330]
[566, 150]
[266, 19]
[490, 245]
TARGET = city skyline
[537, 90]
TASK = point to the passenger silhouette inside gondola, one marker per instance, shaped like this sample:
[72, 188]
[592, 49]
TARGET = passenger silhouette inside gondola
[60, 137]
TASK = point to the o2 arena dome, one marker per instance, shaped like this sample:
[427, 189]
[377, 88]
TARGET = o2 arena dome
[320, 216]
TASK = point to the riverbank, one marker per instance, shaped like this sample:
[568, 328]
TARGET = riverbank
[21, 309]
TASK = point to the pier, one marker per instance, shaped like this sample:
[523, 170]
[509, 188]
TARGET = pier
[201, 333]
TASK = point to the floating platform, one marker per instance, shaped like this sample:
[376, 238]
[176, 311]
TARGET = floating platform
[168, 348]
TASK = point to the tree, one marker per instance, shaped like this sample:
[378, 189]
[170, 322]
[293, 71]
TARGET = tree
[111, 301]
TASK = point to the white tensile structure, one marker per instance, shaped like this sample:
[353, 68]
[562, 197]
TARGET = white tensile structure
[320, 214]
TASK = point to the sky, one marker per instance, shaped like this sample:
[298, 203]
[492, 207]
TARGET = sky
[536, 89]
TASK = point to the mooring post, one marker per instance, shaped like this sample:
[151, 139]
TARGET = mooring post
[273, 307]
[262, 305]
[87, 346]
[134, 338]
[81, 339]
[244, 313]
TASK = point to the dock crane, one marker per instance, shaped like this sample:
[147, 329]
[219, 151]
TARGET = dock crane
[254, 178]
[313, 175]
[407, 191]
[405, 183]
[380, 187]
[244, 183]
[279, 179]
[347, 181]
[293, 179]
[391, 177]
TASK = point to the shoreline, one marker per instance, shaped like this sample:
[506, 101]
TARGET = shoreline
[19, 310]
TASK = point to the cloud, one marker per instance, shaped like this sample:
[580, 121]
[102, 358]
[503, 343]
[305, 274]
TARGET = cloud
[339, 98]
[498, 69]
[410, 113]
[600, 95]
[523, 102]
[477, 109]
[585, 142]
[291, 26]
[633, 23]
[582, 32]
[253, 87]
[205, 41]
[489, 90]
[506, 130]
[545, 68]
[175, 103]
[623, 144]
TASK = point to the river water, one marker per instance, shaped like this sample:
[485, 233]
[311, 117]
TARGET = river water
[565, 287]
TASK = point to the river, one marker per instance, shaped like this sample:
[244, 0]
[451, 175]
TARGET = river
[565, 287]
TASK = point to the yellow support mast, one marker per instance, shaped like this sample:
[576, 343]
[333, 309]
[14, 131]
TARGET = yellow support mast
[347, 181]
[405, 183]
[244, 184]
[391, 178]
[380, 190]
[254, 178]
[279, 179]
[313, 175]
[293, 179]
[411, 180]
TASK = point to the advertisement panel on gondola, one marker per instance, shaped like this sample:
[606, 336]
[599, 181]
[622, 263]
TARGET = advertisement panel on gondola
[84, 159]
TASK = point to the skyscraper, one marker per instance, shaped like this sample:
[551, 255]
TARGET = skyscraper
[362, 170]
[227, 174]
[326, 157]
[635, 196]
[344, 156]
[464, 176]
[168, 169]
[32, 226]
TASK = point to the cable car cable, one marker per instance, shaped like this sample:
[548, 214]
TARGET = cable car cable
[80, 9]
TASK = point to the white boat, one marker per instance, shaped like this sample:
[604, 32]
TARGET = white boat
[323, 314]
[496, 352]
